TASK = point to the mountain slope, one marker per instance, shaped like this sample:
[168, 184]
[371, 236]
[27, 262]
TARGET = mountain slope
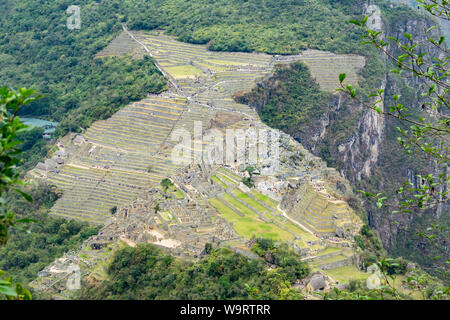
[362, 145]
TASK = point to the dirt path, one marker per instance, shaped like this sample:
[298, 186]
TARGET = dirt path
[168, 76]
[296, 222]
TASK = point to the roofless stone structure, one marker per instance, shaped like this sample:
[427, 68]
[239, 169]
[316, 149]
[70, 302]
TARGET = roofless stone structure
[116, 159]
[119, 163]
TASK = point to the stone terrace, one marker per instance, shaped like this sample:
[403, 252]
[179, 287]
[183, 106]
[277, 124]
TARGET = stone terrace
[120, 46]
[116, 159]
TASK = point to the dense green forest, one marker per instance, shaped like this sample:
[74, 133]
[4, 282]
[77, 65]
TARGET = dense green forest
[33, 146]
[34, 246]
[39, 51]
[146, 272]
[284, 27]
[289, 99]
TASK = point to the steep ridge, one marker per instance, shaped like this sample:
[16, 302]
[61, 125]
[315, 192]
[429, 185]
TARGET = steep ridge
[205, 207]
[115, 159]
[110, 174]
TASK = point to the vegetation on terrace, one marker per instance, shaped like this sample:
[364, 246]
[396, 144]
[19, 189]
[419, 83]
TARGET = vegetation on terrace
[39, 51]
[254, 214]
[146, 272]
[70, 79]
[32, 248]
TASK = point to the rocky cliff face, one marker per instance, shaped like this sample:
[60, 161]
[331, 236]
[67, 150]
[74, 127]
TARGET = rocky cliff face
[366, 156]
[362, 151]
[368, 151]
[361, 144]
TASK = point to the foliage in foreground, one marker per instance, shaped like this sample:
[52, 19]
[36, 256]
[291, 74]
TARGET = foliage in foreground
[29, 251]
[46, 238]
[146, 272]
[10, 127]
[424, 130]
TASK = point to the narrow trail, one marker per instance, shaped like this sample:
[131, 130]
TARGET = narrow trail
[167, 75]
[191, 98]
[295, 222]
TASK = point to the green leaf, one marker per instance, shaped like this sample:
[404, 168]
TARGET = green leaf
[26, 220]
[356, 22]
[8, 291]
[364, 20]
[432, 88]
[342, 77]
[25, 195]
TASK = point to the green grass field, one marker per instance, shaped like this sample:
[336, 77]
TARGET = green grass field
[306, 236]
[186, 71]
[178, 194]
[239, 205]
[245, 197]
[265, 199]
[247, 230]
[331, 259]
[250, 225]
[174, 191]
[329, 250]
[227, 179]
[230, 174]
[166, 215]
[347, 273]
[219, 182]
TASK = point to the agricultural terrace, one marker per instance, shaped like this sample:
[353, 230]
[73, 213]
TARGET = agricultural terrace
[254, 214]
[122, 45]
[325, 67]
[116, 159]
[320, 213]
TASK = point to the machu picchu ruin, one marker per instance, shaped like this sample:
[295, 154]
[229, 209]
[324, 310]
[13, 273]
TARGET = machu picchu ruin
[110, 174]
[207, 206]
[136, 142]
[224, 153]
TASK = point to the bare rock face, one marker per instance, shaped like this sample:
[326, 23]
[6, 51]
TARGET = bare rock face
[358, 142]
[318, 282]
[375, 22]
